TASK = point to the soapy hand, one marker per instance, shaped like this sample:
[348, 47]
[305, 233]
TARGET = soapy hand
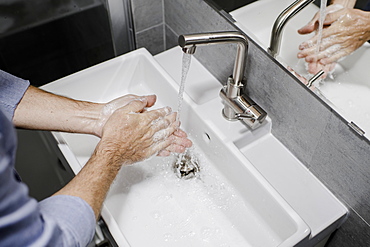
[172, 139]
[345, 30]
[303, 79]
[316, 66]
[132, 134]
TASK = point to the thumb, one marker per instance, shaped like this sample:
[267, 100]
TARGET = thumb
[311, 26]
[135, 106]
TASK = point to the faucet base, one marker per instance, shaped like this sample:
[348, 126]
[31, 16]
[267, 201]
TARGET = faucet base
[242, 108]
[228, 118]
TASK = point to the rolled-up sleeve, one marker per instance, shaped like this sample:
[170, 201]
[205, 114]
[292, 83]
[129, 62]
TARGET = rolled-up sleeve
[71, 221]
[12, 90]
[57, 221]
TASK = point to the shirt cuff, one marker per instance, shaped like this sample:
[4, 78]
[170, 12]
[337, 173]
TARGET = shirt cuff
[12, 90]
[73, 215]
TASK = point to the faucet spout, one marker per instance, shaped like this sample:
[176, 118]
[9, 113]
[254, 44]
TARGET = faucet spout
[280, 23]
[189, 43]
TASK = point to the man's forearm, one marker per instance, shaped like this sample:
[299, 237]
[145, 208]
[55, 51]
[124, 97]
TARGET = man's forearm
[45, 111]
[93, 181]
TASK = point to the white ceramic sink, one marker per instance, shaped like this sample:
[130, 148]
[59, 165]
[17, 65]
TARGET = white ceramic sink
[349, 88]
[230, 204]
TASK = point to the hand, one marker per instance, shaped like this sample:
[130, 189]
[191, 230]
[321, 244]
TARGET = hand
[179, 140]
[345, 31]
[109, 108]
[314, 67]
[131, 134]
[179, 143]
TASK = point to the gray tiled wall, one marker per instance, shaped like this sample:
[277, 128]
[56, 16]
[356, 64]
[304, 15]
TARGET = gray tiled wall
[149, 24]
[311, 130]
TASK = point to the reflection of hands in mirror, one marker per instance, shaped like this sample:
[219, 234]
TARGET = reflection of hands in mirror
[345, 30]
[303, 79]
[316, 66]
[300, 77]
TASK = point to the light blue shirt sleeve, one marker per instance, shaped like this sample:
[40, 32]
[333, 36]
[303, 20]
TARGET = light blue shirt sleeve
[56, 221]
[12, 90]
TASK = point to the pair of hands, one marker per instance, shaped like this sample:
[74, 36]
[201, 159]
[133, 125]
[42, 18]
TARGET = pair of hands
[130, 133]
[345, 30]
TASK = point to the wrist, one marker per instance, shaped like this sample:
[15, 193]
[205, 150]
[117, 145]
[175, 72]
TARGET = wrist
[87, 116]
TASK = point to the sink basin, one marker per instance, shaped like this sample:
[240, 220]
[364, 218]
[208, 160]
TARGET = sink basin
[229, 203]
[347, 92]
[237, 198]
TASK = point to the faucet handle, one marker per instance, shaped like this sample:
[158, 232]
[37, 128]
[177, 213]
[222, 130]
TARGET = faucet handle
[241, 116]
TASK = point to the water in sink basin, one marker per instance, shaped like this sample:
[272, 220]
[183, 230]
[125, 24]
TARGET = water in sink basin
[152, 205]
[229, 204]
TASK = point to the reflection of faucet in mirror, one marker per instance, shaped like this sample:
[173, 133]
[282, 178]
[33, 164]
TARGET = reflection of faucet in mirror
[237, 106]
[277, 32]
[346, 90]
[280, 22]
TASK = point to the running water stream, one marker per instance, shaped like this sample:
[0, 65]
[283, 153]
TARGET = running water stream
[186, 58]
[321, 24]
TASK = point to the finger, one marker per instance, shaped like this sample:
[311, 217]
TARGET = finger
[172, 144]
[163, 121]
[181, 141]
[306, 52]
[328, 56]
[177, 145]
[311, 26]
[174, 148]
[117, 103]
[151, 99]
[330, 43]
[160, 147]
[335, 57]
[328, 46]
[158, 113]
[313, 68]
[330, 67]
[327, 53]
[180, 133]
[160, 128]
[301, 78]
[164, 153]
[135, 106]
[163, 129]
[328, 38]
[309, 44]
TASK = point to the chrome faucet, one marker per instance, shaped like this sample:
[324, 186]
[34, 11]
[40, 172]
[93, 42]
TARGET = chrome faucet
[237, 106]
[280, 23]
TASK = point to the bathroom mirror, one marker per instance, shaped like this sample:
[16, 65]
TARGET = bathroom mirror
[347, 90]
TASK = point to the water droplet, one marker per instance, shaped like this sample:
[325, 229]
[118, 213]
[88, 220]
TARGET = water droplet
[157, 215]
[168, 237]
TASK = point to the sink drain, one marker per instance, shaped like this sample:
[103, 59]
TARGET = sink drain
[186, 166]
